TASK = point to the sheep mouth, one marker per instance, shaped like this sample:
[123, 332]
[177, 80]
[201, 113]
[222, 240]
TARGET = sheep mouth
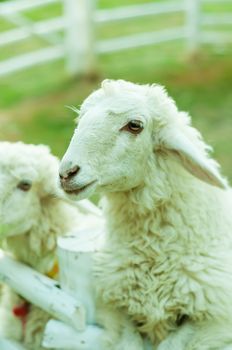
[76, 191]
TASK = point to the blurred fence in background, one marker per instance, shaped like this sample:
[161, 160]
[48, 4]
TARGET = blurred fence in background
[78, 45]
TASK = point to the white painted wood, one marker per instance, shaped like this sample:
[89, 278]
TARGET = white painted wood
[214, 37]
[88, 207]
[41, 291]
[60, 336]
[76, 262]
[143, 39]
[193, 13]
[80, 46]
[6, 344]
[13, 6]
[75, 253]
[28, 60]
[218, 19]
[84, 206]
[75, 256]
[22, 21]
[38, 28]
[79, 36]
[134, 11]
[216, 1]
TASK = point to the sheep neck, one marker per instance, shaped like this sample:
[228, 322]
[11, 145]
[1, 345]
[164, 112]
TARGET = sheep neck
[150, 208]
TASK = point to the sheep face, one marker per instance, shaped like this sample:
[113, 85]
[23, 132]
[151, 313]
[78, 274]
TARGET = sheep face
[110, 146]
[24, 183]
[124, 127]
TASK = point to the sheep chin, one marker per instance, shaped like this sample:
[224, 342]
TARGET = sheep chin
[82, 193]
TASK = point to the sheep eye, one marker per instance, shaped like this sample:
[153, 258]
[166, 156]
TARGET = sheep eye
[134, 126]
[24, 185]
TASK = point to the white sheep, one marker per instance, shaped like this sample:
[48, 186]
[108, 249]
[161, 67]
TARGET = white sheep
[32, 216]
[167, 259]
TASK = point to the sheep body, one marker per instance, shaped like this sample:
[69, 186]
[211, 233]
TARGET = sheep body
[167, 254]
[31, 220]
[166, 271]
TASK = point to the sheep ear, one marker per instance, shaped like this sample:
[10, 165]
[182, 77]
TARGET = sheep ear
[186, 153]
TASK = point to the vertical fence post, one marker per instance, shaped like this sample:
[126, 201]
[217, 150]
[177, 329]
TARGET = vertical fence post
[193, 13]
[79, 35]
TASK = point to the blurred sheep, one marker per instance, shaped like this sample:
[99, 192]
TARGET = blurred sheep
[32, 216]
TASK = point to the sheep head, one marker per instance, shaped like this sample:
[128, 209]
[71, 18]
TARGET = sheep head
[27, 178]
[122, 128]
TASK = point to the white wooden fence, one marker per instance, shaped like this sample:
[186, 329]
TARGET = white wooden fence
[78, 22]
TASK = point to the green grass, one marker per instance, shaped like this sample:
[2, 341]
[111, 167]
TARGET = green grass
[32, 103]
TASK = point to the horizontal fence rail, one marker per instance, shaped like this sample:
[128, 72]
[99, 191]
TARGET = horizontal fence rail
[216, 1]
[77, 44]
[16, 6]
[31, 59]
[143, 39]
[135, 11]
[212, 37]
[219, 19]
[40, 28]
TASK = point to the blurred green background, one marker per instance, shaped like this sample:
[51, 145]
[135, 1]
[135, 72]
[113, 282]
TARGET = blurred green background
[32, 102]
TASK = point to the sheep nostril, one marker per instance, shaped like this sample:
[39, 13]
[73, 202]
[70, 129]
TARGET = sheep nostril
[69, 173]
[73, 171]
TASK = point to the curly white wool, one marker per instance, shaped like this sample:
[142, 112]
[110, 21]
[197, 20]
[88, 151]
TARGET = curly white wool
[168, 250]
